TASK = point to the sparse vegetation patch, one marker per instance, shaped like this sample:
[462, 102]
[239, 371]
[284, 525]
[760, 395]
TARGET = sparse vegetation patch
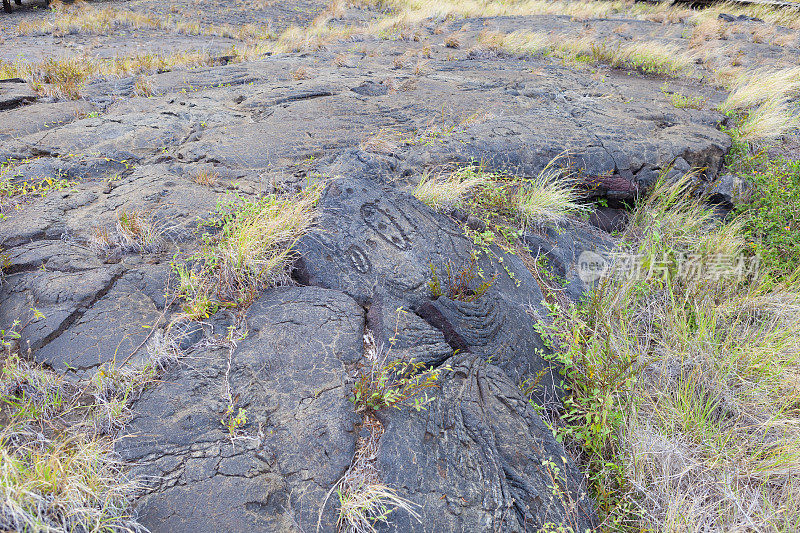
[682, 383]
[58, 471]
[247, 246]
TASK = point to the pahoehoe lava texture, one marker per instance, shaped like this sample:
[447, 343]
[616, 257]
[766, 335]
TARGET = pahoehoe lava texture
[479, 458]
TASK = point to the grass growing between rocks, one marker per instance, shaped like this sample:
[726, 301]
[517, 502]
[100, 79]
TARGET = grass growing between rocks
[65, 77]
[81, 17]
[767, 98]
[408, 12]
[364, 502]
[643, 56]
[683, 396]
[248, 246]
[548, 197]
[495, 209]
[132, 232]
[58, 471]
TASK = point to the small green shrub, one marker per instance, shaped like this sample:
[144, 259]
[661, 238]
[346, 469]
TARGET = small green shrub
[460, 284]
[394, 384]
[772, 213]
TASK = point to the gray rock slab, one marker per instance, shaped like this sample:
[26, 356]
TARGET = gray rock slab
[378, 245]
[480, 459]
[300, 437]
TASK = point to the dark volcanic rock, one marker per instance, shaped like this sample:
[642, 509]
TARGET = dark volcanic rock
[561, 247]
[60, 280]
[480, 459]
[15, 92]
[299, 439]
[378, 245]
[374, 115]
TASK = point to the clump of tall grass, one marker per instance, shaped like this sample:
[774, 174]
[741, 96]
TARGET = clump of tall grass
[683, 378]
[58, 470]
[551, 196]
[133, 231]
[645, 56]
[446, 192]
[63, 484]
[766, 96]
[250, 247]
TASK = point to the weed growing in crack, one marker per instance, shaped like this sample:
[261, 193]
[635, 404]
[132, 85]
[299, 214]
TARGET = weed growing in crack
[133, 232]
[207, 178]
[363, 505]
[249, 247]
[394, 384]
[234, 421]
[365, 502]
[381, 384]
[460, 284]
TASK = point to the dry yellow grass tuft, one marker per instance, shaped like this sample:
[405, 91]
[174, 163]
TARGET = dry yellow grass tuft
[767, 94]
[763, 85]
[788, 17]
[446, 192]
[708, 30]
[252, 249]
[300, 73]
[646, 56]
[206, 177]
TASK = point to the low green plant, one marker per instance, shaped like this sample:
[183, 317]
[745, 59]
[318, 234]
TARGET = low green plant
[394, 384]
[15, 192]
[460, 284]
[234, 421]
[684, 101]
[771, 214]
